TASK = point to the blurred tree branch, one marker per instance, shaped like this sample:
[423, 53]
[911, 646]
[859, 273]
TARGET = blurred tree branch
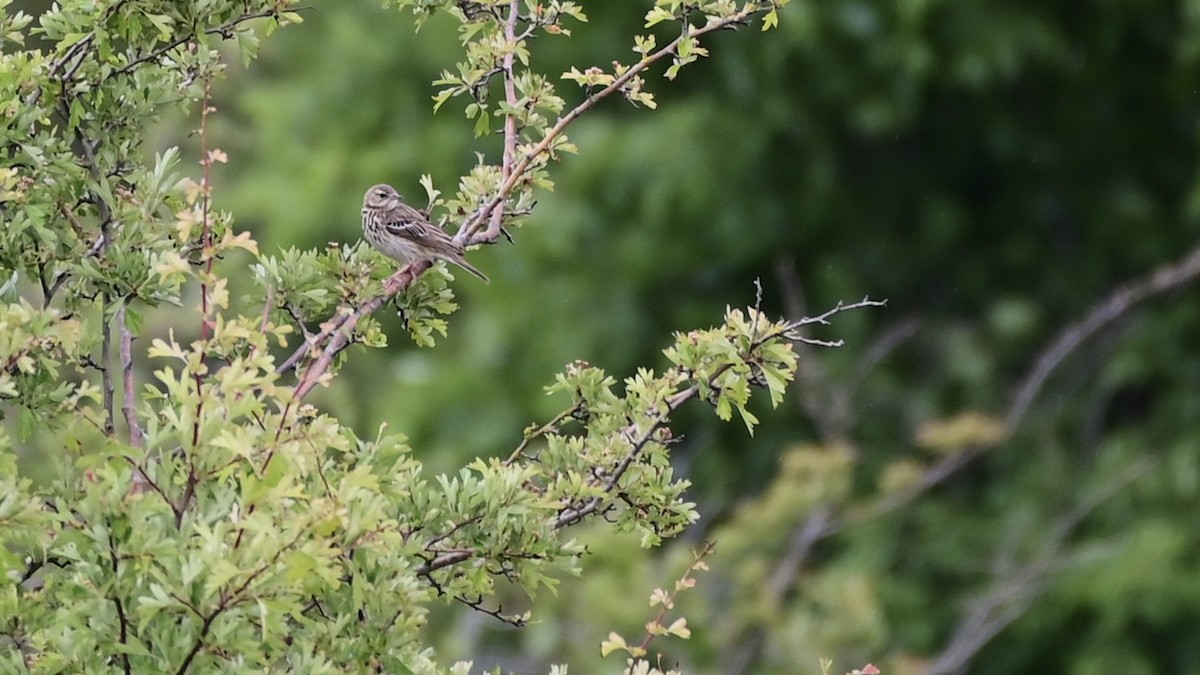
[995, 610]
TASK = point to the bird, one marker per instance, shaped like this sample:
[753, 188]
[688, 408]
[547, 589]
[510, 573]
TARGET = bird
[405, 234]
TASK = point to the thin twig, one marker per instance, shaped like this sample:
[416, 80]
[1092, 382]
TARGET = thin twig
[514, 620]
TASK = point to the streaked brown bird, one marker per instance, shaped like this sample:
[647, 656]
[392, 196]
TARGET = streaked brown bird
[403, 233]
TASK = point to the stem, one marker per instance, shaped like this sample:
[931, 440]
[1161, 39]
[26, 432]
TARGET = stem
[110, 415]
[206, 254]
[129, 401]
[510, 122]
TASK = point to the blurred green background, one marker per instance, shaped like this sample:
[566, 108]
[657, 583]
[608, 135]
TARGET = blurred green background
[992, 167]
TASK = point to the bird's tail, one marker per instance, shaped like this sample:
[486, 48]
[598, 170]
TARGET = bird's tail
[470, 268]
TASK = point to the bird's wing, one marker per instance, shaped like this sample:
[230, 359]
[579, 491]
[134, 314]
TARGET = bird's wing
[415, 228]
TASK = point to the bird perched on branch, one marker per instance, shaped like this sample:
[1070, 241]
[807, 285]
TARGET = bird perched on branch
[403, 233]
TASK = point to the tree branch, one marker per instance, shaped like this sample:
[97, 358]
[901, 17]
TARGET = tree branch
[222, 30]
[468, 234]
[1011, 594]
[1103, 313]
[340, 331]
[106, 380]
[129, 399]
[510, 96]
[571, 514]
[1114, 306]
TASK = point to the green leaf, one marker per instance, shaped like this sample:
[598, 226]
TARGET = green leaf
[770, 20]
[658, 15]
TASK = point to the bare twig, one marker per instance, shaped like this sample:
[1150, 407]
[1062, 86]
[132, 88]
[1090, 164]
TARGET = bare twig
[823, 318]
[514, 620]
[304, 329]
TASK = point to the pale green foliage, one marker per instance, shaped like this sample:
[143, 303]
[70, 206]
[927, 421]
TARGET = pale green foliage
[664, 602]
[210, 518]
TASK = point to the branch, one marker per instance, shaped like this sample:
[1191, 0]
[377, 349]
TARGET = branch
[1103, 313]
[222, 30]
[1118, 303]
[823, 318]
[468, 234]
[1011, 594]
[233, 597]
[574, 513]
[570, 515]
[106, 381]
[510, 122]
[514, 620]
[128, 399]
[339, 331]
